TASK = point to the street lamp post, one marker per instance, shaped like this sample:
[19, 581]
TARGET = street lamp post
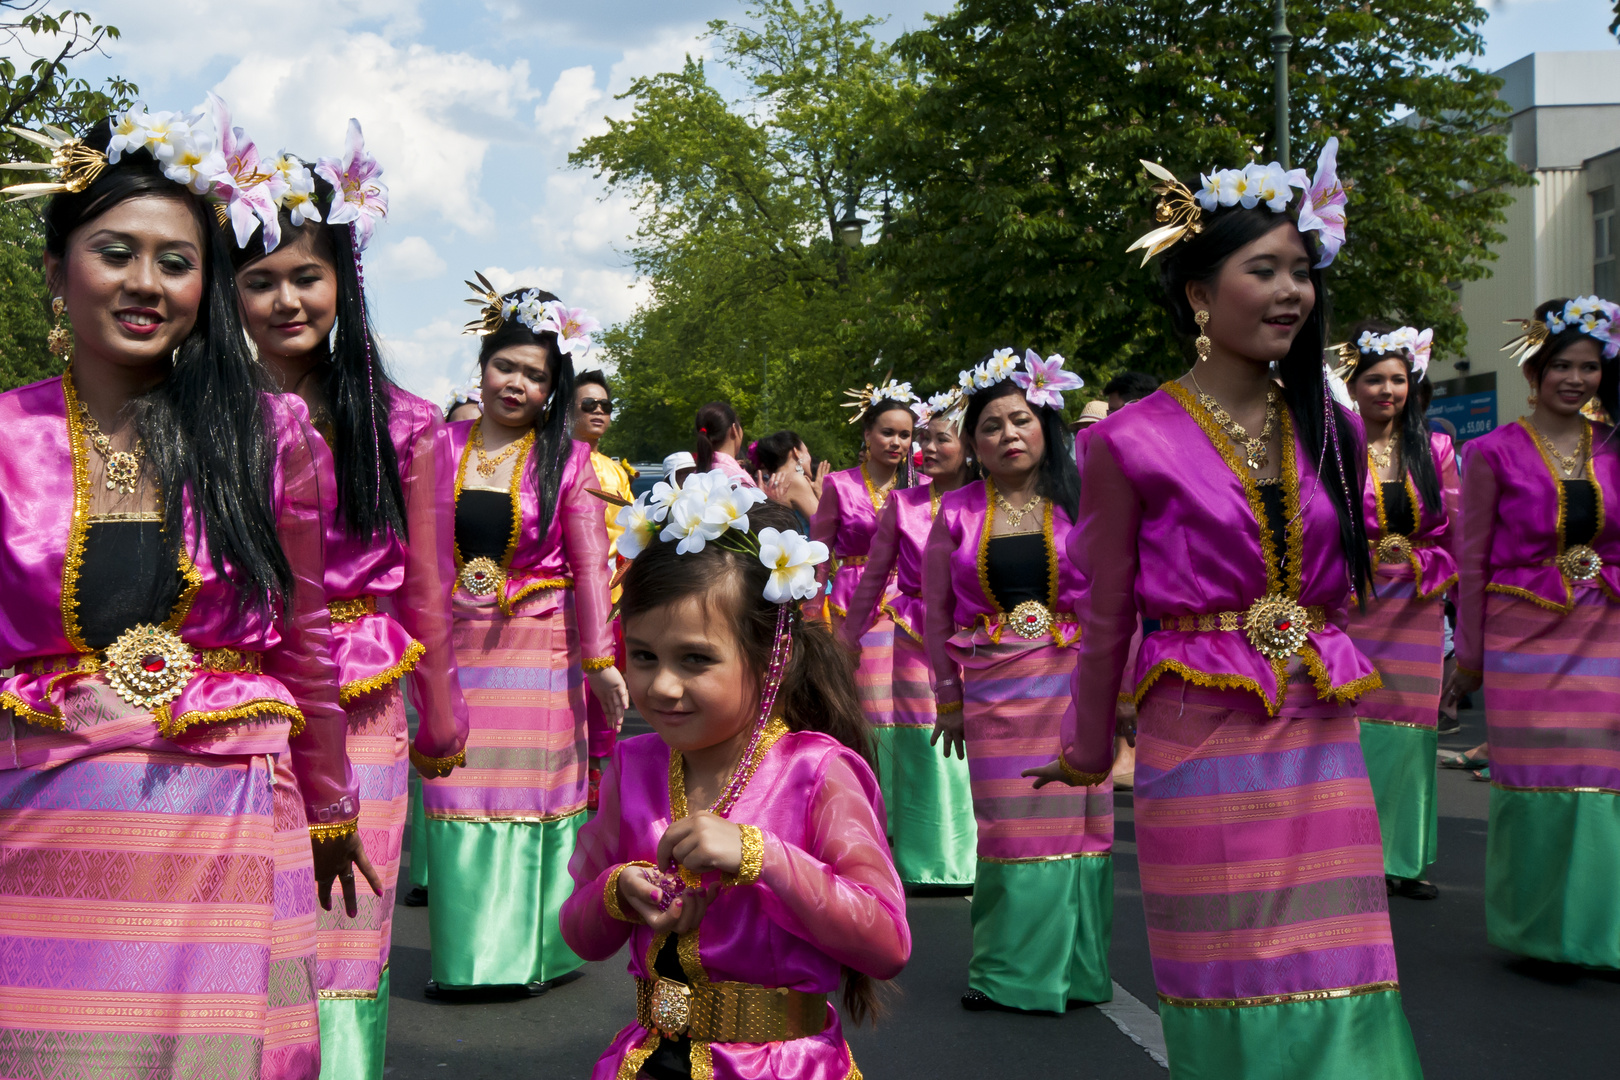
[851, 226]
[1280, 40]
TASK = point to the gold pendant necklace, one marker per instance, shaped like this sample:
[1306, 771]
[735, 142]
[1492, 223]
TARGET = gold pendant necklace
[123, 466]
[486, 465]
[1255, 450]
[1569, 467]
[1015, 515]
[878, 495]
[1383, 458]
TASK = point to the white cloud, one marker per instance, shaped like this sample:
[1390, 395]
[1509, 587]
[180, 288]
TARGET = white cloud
[410, 259]
[570, 110]
[432, 360]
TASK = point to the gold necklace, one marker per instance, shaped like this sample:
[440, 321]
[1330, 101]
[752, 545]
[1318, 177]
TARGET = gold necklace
[487, 465]
[933, 502]
[1570, 467]
[123, 466]
[1255, 450]
[1015, 515]
[878, 495]
[1382, 459]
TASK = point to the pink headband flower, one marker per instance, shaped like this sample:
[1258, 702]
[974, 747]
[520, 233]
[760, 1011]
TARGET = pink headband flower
[1043, 381]
[357, 195]
[1322, 208]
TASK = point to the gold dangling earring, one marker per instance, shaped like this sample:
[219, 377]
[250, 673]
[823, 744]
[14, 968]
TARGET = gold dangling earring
[1203, 342]
[1535, 395]
[60, 339]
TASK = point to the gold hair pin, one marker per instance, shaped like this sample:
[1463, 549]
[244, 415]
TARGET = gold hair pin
[1534, 336]
[75, 164]
[1177, 210]
[492, 304]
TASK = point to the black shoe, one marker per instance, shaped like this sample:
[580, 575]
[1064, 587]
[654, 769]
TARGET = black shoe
[431, 990]
[417, 897]
[1449, 725]
[1411, 888]
[979, 1001]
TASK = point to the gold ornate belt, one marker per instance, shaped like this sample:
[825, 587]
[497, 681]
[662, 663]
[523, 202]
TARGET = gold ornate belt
[148, 666]
[729, 1012]
[482, 576]
[1395, 548]
[1275, 625]
[1578, 563]
[1031, 619]
[343, 611]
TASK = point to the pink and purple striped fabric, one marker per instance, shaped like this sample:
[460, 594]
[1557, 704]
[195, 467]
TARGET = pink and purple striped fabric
[352, 952]
[874, 678]
[1551, 684]
[1013, 697]
[913, 683]
[159, 913]
[525, 691]
[1257, 837]
[1404, 637]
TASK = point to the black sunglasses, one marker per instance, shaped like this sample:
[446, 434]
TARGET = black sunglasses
[596, 405]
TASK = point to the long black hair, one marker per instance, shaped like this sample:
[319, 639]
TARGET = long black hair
[553, 429]
[1058, 479]
[1304, 380]
[905, 475]
[1536, 363]
[774, 451]
[206, 427]
[1416, 455]
[356, 384]
[713, 421]
[818, 688]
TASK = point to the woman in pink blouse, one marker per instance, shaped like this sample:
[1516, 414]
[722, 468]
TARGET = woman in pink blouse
[174, 726]
[390, 566]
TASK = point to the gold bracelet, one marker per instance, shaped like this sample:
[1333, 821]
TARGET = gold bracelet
[597, 663]
[1077, 778]
[437, 767]
[610, 894]
[753, 857]
[948, 707]
[1470, 671]
[336, 830]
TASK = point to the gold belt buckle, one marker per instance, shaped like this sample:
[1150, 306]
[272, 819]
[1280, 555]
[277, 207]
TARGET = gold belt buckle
[1030, 619]
[148, 666]
[1580, 563]
[671, 1007]
[1394, 548]
[1276, 626]
[482, 576]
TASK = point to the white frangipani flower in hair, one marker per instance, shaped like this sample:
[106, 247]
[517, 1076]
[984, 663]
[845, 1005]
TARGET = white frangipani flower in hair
[792, 561]
[640, 527]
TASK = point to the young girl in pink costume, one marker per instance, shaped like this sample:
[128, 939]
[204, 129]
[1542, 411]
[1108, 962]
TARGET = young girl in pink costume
[744, 918]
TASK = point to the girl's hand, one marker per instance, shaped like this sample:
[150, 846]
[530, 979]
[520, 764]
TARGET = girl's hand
[1049, 773]
[638, 893]
[952, 726]
[701, 843]
[1466, 682]
[337, 859]
[611, 693]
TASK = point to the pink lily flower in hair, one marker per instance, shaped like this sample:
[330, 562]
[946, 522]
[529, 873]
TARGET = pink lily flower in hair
[1421, 348]
[1043, 381]
[1323, 206]
[247, 185]
[357, 195]
[572, 326]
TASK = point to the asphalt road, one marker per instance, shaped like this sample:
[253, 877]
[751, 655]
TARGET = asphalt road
[1477, 1012]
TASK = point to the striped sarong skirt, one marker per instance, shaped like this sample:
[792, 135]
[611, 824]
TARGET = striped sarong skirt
[158, 918]
[1404, 637]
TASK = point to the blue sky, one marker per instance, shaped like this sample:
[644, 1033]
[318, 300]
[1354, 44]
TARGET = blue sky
[472, 107]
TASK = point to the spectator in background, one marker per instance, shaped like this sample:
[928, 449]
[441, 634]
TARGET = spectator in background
[590, 419]
[784, 470]
[719, 441]
[678, 466]
[466, 403]
[1126, 387]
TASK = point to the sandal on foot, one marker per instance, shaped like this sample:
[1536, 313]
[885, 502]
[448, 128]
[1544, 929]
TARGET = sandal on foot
[1453, 759]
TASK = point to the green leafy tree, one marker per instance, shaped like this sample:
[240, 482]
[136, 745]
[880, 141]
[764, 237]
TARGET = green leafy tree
[36, 88]
[1022, 188]
[754, 299]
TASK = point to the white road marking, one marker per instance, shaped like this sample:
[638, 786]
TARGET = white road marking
[1139, 1023]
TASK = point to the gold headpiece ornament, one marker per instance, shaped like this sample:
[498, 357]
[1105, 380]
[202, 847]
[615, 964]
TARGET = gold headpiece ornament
[1349, 356]
[888, 389]
[1177, 211]
[75, 164]
[1534, 336]
[491, 301]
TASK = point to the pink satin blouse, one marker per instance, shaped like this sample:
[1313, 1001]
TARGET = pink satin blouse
[1433, 547]
[290, 703]
[571, 555]
[892, 579]
[410, 634]
[1513, 527]
[827, 894]
[846, 520]
[1170, 527]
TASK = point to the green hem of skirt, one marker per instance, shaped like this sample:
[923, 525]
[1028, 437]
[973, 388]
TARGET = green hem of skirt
[1352, 1038]
[1401, 767]
[419, 859]
[498, 887]
[1041, 932]
[354, 1035]
[1552, 875]
[929, 803]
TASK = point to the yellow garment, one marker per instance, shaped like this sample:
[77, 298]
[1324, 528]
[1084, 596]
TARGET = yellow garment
[613, 477]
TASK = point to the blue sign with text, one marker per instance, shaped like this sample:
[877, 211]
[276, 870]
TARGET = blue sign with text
[1468, 403]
